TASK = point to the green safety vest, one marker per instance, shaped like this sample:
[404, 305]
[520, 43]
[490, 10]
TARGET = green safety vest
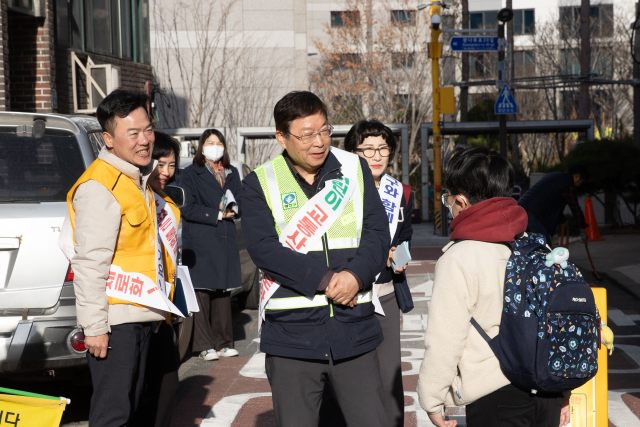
[285, 197]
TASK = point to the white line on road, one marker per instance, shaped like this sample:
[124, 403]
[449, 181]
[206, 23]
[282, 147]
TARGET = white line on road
[254, 368]
[619, 412]
[421, 415]
[225, 411]
[414, 322]
[415, 359]
[619, 318]
[633, 351]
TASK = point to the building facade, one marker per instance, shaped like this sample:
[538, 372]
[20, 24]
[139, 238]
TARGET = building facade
[64, 55]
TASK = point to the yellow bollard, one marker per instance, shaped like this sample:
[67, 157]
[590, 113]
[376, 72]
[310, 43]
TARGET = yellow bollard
[590, 403]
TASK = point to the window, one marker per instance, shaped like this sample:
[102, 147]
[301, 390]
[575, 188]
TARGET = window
[41, 169]
[570, 61]
[524, 64]
[524, 22]
[483, 20]
[346, 60]
[117, 28]
[601, 62]
[483, 65]
[402, 59]
[404, 17]
[601, 21]
[340, 19]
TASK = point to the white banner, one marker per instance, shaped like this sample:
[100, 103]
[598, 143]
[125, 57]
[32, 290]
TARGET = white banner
[168, 226]
[390, 191]
[130, 286]
[139, 289]
[182, 271]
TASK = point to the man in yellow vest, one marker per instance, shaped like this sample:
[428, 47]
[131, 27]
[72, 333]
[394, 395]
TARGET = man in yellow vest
[117, 276]
[316, 227]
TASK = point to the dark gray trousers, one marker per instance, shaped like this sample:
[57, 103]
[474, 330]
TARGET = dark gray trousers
[390, 363]
[161, 380]
[118, 378]
[297, 386]
[212, 325]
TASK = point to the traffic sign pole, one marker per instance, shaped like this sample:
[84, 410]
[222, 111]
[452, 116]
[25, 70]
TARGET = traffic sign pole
[503, 117]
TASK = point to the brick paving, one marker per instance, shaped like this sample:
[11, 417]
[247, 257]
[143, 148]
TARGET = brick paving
[235, 392]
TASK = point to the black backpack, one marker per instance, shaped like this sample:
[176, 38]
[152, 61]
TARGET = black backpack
[549, 332]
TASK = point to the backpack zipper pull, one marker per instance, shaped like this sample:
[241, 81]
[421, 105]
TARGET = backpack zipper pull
[548, 325]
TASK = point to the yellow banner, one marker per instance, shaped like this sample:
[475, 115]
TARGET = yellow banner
[20, 411]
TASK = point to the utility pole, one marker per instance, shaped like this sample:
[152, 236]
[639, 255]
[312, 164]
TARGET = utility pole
[464, 90]
[636, 77]
[504, 15]
[435, 52]
[502, 132]
[584, 103]
[515, 151]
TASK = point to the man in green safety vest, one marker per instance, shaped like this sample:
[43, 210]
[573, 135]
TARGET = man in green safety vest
[315, 225]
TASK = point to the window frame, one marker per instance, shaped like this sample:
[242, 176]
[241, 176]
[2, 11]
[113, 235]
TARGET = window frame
[404, 17]
[337, 17]
[484, 19]
[128, 40]
[523, 30]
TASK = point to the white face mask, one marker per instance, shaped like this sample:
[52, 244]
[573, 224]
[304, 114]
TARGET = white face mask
[213, 152]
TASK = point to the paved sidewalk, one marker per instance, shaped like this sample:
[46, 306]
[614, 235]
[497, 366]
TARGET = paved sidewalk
[617, 257]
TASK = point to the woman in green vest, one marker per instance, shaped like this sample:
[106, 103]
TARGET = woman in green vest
[376, 143]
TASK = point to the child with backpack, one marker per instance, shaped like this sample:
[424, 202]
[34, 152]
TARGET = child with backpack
[460, 367]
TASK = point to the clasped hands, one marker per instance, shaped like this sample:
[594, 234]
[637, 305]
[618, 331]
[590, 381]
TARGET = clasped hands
[343, 288]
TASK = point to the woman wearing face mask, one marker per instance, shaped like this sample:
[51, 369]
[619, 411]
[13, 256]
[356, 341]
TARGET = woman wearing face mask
[210, 243]
[161, 373]
[375, 142]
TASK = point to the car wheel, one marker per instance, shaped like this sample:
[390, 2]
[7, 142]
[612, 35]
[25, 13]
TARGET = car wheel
[251, 299]
[184, 332]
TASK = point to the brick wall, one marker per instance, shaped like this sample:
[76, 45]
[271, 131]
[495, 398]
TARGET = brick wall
[31, 61]
[132, 76]
[4, 57]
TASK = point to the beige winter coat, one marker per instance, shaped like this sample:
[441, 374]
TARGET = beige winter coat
[97, 225]
[459, 366]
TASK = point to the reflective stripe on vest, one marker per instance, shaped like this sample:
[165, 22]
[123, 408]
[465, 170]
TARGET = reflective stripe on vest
[304, 302]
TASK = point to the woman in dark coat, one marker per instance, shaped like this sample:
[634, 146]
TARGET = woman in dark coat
[210, 243]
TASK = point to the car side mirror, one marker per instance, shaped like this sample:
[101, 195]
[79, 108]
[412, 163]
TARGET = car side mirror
[176, 194]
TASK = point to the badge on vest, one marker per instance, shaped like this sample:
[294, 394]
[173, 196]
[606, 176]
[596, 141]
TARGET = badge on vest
[289, 201]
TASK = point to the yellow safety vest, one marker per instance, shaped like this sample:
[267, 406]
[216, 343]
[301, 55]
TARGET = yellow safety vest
[135, 248]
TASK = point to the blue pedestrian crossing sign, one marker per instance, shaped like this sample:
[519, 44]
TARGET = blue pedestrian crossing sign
[505, 103]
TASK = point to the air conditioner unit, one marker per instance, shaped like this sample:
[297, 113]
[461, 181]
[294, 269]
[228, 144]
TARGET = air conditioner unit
[107, 77]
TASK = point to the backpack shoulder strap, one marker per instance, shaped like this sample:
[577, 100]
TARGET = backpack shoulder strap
[481, 331]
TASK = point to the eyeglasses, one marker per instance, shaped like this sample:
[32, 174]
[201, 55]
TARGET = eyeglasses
[444, 197]
[370, 152]
[307, 138]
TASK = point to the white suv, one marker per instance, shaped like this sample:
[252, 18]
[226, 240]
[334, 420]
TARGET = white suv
[41, 157]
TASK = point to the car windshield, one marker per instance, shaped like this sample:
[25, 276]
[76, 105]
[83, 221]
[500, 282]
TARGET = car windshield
[38, 169]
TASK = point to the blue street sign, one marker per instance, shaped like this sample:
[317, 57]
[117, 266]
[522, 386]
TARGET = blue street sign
[474, 44]
[505, 103]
